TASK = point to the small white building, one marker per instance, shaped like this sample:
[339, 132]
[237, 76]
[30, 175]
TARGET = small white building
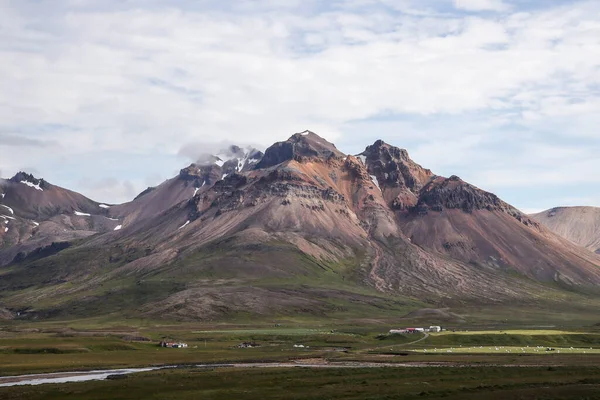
[435, 329]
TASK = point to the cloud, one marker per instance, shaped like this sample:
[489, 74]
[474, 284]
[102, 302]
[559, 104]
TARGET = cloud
[105, 189]
[159, 79]
[20, 141]
[481, 5]
[201, 151]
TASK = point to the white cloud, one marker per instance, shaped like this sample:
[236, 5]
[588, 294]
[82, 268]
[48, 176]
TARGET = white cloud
[150, 77]
[110, 189]
[481, 5]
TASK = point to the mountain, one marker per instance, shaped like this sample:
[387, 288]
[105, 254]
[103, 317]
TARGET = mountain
[196, 178]
[304, 229]
[35, 214]
[450, 217]
[580, 225]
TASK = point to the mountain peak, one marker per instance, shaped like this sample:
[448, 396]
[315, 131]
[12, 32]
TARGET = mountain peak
[381, 148]
[394, 169]
[232, 158]
[301, 146]
[29, 180]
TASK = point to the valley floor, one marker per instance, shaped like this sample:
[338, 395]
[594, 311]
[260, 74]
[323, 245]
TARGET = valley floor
[314, 361]
[361, 383]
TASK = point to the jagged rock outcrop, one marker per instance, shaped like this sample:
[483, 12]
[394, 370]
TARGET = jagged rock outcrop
[300, 147]
[23, 177]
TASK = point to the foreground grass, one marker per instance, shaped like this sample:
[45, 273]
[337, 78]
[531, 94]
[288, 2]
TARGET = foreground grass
[360, 383]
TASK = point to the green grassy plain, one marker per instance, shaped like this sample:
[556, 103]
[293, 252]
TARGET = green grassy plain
[460, 364]
[359, 383]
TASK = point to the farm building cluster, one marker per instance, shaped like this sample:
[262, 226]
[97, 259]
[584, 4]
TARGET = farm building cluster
[416, 330]
[247, 345]
[173, 345]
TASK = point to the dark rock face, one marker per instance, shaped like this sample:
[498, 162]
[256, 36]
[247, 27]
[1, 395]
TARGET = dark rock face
[300, 147]
[23, 176]
[394, 168]
[276, 154]
[453, 193]
[200, 175]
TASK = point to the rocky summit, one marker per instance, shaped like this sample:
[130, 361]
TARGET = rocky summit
[302, 228]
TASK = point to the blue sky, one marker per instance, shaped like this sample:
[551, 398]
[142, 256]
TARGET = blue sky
[104, 97]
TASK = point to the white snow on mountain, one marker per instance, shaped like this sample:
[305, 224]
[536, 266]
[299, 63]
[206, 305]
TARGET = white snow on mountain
[103, 206]
[184, 225]
[375, 181]
[8, 208]
[241, 156]
[118, 227]
[33, 185]
[81, 214]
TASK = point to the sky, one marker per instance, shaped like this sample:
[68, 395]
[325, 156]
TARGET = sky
[107, 97]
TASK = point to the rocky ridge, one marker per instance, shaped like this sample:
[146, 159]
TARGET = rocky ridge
[306, 212]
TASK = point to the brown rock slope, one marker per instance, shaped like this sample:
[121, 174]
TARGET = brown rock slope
[580, 225]
[35, 213]
[311, 230]
[196, 178]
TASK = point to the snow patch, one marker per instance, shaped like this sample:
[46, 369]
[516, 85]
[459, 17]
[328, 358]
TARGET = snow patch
[3, 194]
[224, 176]
[8, 208]
[375, 181]
[33, 185]
[118, 227]
[103, 206]
[6, 229]
[35, 223]
[112, 219]
[196, 190]
[363, 159]
[220, 163]
[81, 214]
[305, 133]
[184, 225]
[6, 217]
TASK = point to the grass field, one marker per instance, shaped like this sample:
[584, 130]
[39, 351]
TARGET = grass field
[360, 383]
[514, 350]
[547, 363]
